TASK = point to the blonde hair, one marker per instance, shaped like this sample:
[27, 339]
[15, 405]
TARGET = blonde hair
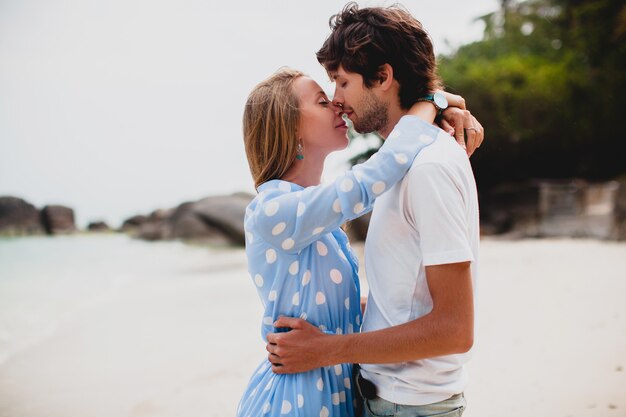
[270, 123]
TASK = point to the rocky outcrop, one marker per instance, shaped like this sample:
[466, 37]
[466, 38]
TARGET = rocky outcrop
[620, 210]
[18, 217]
[216, 220]
[357, 229]
[133, 223]
[224, 213]
[58, 219]
[98, 227]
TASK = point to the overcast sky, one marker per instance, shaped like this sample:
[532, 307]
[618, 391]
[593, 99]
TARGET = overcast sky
[120, 107]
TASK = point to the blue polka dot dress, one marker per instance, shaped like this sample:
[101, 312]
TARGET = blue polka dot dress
[302, 266]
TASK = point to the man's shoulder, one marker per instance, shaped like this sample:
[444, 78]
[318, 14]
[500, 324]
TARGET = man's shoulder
[444, 153]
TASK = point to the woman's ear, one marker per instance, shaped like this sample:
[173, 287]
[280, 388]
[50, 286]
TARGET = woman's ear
[385, 76]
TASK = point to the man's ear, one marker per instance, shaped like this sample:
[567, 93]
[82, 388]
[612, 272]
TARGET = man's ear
[385, 76]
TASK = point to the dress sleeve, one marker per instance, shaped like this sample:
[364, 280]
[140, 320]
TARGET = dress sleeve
[293, 220]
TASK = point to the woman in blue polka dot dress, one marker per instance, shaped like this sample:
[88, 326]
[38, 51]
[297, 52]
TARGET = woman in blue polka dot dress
[299, 259]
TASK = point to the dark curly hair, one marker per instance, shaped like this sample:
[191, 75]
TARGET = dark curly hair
[362, 40]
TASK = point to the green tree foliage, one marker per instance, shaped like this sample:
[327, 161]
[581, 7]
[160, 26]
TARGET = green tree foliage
[547, 82]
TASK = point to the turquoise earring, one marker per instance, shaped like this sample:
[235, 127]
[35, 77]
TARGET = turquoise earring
[299, 154]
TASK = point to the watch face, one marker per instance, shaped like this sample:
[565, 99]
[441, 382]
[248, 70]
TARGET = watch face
[440, 101]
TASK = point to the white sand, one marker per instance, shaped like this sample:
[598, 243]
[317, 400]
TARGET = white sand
[551, 341]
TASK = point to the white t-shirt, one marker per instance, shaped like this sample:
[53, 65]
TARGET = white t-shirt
[428, 218]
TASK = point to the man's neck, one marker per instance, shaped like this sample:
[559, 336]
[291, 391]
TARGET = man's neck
[395, 114]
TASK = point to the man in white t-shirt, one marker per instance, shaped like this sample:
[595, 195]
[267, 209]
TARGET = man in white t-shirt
[421, 252]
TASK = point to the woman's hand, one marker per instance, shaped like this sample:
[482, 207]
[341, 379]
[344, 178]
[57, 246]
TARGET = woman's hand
[457, 121]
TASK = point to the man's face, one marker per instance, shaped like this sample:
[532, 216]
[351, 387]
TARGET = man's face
[366, 111]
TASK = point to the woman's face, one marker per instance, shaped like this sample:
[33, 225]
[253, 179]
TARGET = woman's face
[321, 129]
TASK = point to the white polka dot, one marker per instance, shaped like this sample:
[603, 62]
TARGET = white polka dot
[358, 174]
[346, 185]
[301, 209]
[338, 370]
[253, 392]
[272, 208]
[402, 159]
[337, 206]
[342, 396]
[318, 230]
[321, 248]
[300, 401]
[324, 412]
[258, 280]
[394, 134]
[342, 255]
[320, 298]
[338, 330]
[267, 320]
[284, 186]
[378, 187]
[346, 302]
[272, 296]
[303, 316]
[425, 139]
[294, 268]
[320, 384]
[248, 211]
[288, 244]
[346, 382]
[270, 256]
[323, 328]
[250, 237]
[350, 328]
[358, 320]
[266, 408]
[295, 300]
[358, 207]
[279, 228]
[336, 276]
[306, 278]
[269, 385]
[286, 408]
[335, 398]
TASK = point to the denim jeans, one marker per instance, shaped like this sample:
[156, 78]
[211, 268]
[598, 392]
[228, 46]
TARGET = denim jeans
[452, 407]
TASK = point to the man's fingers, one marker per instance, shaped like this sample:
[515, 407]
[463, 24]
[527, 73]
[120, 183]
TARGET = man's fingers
[274, 359]
[272, 338]
[279, 369]
[290, 322]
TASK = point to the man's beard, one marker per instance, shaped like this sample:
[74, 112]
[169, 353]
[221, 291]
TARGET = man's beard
[374, 115]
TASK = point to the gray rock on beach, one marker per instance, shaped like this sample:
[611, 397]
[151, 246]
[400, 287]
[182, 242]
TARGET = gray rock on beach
[57, 219]
[98, 226]
[217, 220]
[19, 217]
[225, 213]
[133, 222]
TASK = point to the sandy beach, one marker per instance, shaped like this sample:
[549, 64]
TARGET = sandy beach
[550, 338]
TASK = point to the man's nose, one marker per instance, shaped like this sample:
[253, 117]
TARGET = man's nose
[337, 107]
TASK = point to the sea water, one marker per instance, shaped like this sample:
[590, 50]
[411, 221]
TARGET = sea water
[45, 281]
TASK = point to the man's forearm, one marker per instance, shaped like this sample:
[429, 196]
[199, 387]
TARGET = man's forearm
[426, 337]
